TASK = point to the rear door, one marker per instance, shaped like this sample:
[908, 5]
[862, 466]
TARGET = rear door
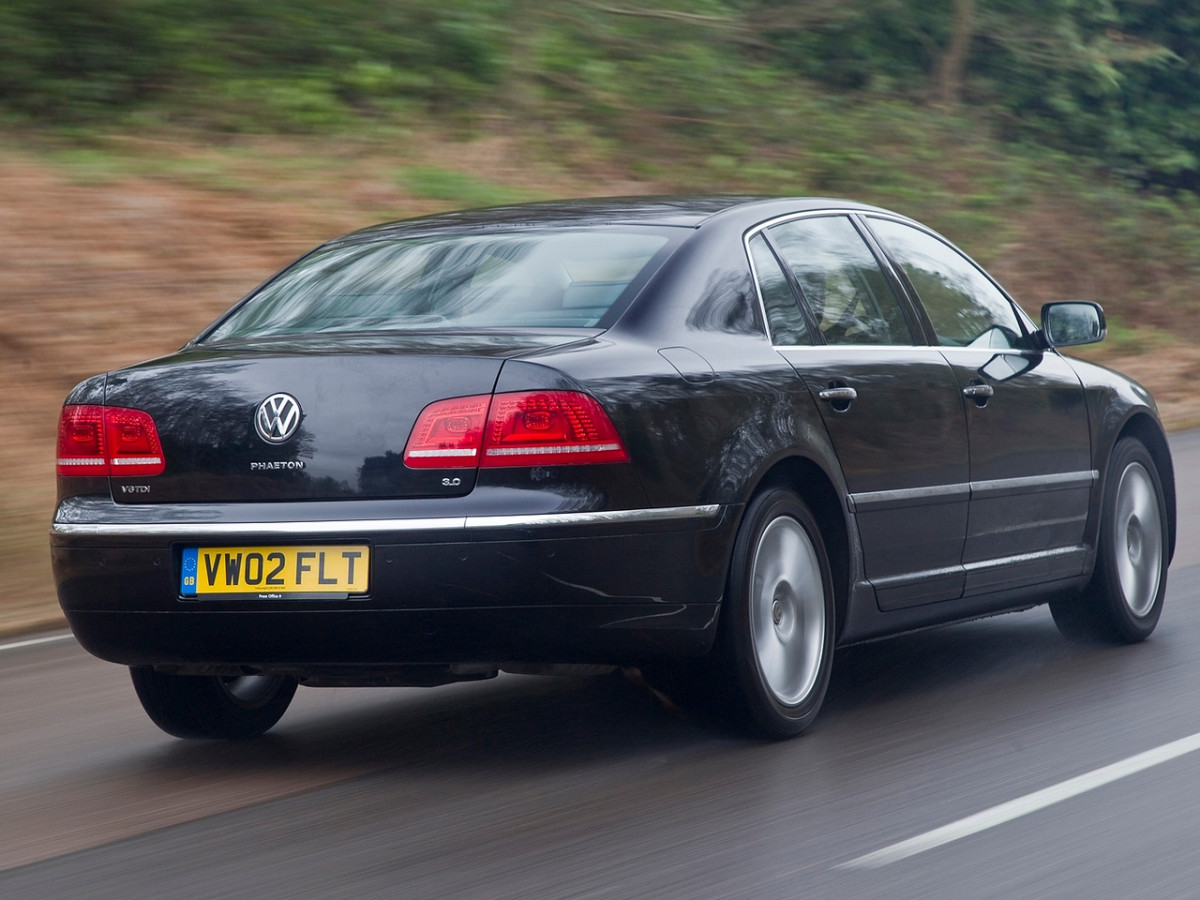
[891, 406]
[1027, 424]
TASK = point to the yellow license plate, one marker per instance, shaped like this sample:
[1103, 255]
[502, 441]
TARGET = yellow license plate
[270, 572]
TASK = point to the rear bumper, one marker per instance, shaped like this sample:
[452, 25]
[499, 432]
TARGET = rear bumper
[574, 587]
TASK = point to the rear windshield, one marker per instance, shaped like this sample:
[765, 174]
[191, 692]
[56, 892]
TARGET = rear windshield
[566, 278]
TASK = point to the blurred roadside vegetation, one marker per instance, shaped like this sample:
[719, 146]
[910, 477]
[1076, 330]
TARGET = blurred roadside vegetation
[959, 112]
[1113, 82]
[193, 146]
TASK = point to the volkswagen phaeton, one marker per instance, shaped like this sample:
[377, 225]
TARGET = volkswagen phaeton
[709, 438]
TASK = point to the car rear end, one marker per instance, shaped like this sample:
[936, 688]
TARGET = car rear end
[377, 471]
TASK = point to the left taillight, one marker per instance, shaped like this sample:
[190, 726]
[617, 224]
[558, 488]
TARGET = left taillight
[108, 441]
[448, 434]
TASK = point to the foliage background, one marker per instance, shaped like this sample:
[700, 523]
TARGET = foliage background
[1114, 78]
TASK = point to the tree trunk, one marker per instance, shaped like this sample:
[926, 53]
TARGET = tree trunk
[952, 67]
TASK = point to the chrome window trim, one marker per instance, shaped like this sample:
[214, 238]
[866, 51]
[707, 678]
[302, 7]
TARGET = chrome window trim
[995, 351]
[761, 227]
[854, 348]
[378, 526]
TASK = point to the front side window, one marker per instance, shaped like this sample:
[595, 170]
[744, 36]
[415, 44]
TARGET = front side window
[567, 278]
[843, 285]
[965, 308]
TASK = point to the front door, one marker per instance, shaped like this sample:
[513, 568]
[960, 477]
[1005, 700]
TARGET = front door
[892, 408]
[1027, 424]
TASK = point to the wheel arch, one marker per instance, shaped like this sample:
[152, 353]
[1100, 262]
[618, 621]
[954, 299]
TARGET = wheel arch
[1144, 428]
[813, 485]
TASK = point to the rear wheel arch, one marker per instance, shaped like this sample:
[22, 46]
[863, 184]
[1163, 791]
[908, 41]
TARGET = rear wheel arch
[698, 683]
[774, 649]
[811, 483]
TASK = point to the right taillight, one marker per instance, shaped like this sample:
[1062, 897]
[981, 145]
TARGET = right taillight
[527, 428]
[108, 441]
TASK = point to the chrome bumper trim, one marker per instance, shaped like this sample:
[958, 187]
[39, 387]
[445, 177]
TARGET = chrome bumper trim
[377, 526]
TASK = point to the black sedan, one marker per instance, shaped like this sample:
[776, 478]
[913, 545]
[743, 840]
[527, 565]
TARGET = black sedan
[711, 439]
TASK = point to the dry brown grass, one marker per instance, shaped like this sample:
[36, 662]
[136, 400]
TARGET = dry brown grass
[103, 270]
[93, 277]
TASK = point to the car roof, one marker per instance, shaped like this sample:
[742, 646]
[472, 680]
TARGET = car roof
[683, 211]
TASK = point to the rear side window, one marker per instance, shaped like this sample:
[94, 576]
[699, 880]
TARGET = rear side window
[783, 314]
[965, 308]
[843, 285]
[568, 278]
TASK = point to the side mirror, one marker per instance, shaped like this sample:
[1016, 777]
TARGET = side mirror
[1073, 322]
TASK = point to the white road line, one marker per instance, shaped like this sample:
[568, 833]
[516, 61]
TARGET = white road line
[1022, 806]
[33, 642]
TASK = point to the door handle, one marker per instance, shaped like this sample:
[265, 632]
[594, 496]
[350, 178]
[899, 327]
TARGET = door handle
[980, 393]
[838, 394]
[839, 397]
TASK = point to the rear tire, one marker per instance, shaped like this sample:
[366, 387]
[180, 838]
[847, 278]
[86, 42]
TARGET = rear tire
[213, 706]
[1124, 599]
[775, 645]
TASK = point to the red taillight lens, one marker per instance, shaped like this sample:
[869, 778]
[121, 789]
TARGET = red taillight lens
[132, 443]
[108, 440]
[448, 434]
[81, 441]
[549, 428]
[531, 428]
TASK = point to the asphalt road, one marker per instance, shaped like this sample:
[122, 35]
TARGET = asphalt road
[991, 759]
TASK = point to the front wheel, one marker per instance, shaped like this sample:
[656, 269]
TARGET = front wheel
[777, 630]
[213, 706]
[1124, 599]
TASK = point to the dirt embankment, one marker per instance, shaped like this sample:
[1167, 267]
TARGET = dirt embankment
[100, 270]
[93, 277]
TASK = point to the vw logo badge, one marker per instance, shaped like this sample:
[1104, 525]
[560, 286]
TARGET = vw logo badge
[277, 418]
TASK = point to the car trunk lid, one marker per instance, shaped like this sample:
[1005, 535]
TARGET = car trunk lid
[307, 419]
